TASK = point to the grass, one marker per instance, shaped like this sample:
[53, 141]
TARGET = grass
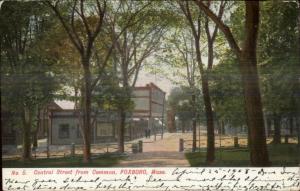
[280, 155]
[106, 160]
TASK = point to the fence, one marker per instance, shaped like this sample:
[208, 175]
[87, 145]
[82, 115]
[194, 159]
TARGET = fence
[58, 151]
[220, 142]
[234, 142]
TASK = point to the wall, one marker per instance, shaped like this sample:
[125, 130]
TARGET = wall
[55, 134]
[99, 133]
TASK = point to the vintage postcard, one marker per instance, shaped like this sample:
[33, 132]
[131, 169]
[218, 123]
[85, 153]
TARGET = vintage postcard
[150, 95]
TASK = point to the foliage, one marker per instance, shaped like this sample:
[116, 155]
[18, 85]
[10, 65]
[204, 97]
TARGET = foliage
[180, 101]
[26, 77]
[226, 91]
[278, 57]
[110, 96]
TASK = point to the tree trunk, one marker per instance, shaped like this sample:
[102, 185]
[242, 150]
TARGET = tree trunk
[27, 118]
[194, 123]
[250, 80]
[249, 138]
[298, 130]
[121, 131]
[35, 135]
[86, 111]
[277, 133]
[130, 132]
[123, 109]
[210, 156]
[171, 121]
[183, 123]
[48, 132]
[299, 29]
[269, 125]
[297, 102]
[35, 139]
[223, 128]
[76, 104]
[291, 125]
[210, 153]
[248, 68]
[194, 136]
[258, 148]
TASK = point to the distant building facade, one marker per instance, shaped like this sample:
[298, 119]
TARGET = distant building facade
[148, 113]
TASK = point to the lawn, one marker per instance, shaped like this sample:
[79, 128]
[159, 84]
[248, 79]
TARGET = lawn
[280, 155]
[106, 160]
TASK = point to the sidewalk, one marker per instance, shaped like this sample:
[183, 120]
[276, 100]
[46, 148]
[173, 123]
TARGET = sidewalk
[160, 153]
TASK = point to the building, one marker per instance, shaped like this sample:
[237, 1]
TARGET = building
[44, 119]
[148, 113]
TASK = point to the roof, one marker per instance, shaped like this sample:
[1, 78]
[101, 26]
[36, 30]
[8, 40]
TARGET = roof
[69, 105]
[54, 106]
[150, 85]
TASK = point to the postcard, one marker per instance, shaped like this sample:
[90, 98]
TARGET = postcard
[150, 95]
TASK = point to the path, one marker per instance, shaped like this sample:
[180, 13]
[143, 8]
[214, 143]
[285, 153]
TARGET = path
[160, 153]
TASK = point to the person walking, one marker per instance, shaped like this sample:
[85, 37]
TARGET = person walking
[149, 133]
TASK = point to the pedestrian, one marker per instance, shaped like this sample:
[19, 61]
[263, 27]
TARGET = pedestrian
[149, 133]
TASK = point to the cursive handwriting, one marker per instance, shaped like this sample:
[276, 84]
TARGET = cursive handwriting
[187, 179]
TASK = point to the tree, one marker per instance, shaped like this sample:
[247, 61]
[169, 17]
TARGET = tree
[81, 14]
[27, 82]
[84, 45]
[195, 25]
[180, 101]
[278, 56]
[132, 48]
[298, 86]
[226, 92]
[179, 53]
[248, 68]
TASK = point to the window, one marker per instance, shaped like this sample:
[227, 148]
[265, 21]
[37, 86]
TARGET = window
[104, 129]
[64, 131]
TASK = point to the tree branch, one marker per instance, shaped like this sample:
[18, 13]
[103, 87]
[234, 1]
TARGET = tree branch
[85, 23]
[224, 28]
[186, 10]
[75, 40]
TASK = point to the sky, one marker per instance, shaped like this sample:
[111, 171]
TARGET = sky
[163, 83]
